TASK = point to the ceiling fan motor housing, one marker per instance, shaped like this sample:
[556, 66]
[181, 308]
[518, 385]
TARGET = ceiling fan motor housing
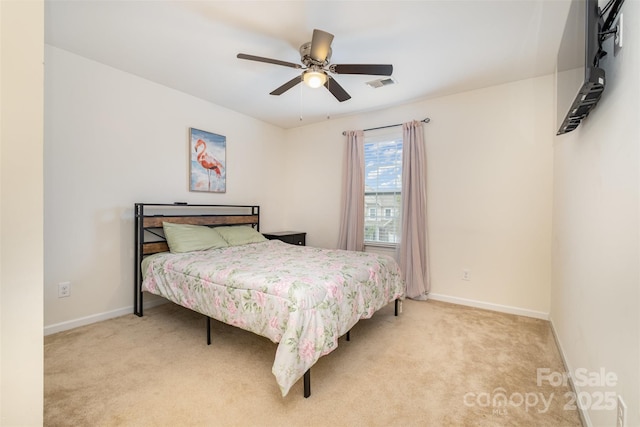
[307, 60]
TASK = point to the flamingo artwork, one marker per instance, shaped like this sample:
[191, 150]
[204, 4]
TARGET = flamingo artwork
[208, 161]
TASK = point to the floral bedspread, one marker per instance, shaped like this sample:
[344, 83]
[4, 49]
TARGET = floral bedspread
[301, 297]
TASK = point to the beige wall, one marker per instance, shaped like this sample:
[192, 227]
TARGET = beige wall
[114, 139]
[489, 191]
[595, 297]
[21, 218]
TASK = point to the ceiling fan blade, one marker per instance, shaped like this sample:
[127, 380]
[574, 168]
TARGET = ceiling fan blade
[268, 60]
[370, 69]
[320, 45]
[288, 85]
[337, 90]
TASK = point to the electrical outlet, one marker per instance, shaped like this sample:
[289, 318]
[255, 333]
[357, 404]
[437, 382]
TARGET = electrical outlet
[64, 289]
[466, 274]
[621, 418]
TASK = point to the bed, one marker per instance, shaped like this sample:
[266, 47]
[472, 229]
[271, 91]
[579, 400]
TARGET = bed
[301, 297]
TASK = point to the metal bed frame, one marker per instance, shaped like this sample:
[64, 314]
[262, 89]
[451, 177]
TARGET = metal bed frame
[150, 239]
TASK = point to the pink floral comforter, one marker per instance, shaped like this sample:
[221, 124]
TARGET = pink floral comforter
[301, 297]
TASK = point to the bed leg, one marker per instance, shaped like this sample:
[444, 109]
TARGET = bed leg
[396, 311]
[208, 330]
[307, 383]
[349, 335]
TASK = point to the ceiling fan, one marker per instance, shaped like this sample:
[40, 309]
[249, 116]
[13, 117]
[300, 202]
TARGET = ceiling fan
[315, 56]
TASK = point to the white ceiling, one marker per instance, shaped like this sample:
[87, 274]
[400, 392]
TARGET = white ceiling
[437, 47]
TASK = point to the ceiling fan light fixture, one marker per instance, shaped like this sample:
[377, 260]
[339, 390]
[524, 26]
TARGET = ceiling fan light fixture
[314, 79]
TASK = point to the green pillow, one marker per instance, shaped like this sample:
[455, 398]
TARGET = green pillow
[236, 235]
[187, 238]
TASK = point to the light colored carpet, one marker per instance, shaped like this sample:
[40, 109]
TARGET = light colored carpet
[436, 364]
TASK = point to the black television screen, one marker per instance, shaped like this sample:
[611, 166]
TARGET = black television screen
[579, 80]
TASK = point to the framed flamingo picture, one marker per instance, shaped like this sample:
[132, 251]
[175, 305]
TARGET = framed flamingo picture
[208, 170]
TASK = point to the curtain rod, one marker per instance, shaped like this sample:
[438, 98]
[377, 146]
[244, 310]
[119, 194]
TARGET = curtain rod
[426, 120]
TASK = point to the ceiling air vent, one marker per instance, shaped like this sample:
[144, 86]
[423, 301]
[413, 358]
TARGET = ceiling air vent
[385, 81]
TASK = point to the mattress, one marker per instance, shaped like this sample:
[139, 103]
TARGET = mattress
[302, 298]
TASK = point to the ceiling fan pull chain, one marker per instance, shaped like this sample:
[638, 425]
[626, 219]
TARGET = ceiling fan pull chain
[300, 102]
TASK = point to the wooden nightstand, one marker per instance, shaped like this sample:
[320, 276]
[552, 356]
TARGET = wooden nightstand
[292, 237]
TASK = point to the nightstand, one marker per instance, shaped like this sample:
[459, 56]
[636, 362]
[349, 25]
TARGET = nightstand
[292, 237]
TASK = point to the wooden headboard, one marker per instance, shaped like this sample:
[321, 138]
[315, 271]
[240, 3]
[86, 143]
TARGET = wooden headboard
[149, 235]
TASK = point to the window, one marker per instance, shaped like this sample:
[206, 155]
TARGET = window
[383, 187]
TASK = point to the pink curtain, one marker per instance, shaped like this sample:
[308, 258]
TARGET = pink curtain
[351, 235]
[413, 254]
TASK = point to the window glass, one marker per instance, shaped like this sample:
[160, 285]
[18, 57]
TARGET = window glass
[383, 187]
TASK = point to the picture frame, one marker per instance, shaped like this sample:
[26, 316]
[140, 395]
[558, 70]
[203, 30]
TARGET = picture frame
[207, 167]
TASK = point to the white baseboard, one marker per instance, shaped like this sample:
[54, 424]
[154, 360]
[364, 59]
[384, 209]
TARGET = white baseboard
[490, 306]
[70, 324]
[584, 415]
[75, 323]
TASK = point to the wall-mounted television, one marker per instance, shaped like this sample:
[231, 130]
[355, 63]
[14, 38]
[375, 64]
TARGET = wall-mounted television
[579, 80]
